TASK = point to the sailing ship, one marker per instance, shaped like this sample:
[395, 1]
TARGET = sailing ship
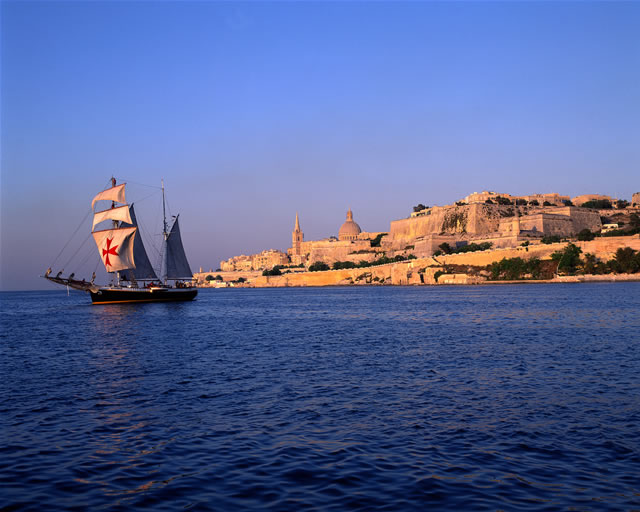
[123, 254]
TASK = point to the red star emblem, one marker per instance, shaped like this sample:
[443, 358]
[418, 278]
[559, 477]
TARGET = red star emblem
[109, 250]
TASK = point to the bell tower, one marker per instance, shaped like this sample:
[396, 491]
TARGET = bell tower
[296, 238]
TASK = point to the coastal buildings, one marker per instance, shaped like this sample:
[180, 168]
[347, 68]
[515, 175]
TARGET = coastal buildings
[499, 219]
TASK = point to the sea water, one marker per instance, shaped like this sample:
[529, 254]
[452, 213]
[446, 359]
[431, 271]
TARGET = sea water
[515, 397]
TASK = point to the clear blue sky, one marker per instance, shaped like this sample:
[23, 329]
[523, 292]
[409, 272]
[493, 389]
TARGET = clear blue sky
[253, 111]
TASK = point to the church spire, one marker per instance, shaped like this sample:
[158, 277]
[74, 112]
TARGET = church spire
[349, 214]
[296, 238]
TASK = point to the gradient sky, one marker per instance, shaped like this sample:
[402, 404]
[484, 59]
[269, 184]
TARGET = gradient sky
[253, 111]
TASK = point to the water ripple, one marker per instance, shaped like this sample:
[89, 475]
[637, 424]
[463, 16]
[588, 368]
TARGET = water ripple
[482, 398]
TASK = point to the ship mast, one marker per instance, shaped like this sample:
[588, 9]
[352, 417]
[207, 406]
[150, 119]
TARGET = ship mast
[165, 235]
[115, 226]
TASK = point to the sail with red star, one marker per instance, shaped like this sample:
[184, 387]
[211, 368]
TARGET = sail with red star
[115, 247]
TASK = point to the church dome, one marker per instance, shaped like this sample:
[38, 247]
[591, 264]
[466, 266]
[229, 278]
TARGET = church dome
[350, 229]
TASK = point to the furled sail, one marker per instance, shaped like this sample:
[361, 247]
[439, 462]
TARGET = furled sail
[120, 213]
[115, 247]
[143, 269]
[176, 264]
[111, 194]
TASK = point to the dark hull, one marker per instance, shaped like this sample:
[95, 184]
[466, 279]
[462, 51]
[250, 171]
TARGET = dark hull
[123, 295]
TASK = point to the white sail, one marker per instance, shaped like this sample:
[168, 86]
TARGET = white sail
[120, 213]
[115, 247]
[111, 194]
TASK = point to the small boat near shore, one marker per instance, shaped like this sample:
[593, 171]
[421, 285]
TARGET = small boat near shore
[123, 255]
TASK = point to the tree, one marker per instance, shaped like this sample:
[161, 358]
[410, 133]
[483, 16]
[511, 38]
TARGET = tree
[503, 200]
[547, 203]
[585, 235]
[621, 203]
[590, 263]
[627, 260]
[275, 271]
[445, 248]
[338, 265]
[598, 204]
[567, 202]
[318, 266]
[521, 202]
[634, 220]
[568, 259]
[241, 280]
[218, 278]
[376, 241]
[508, 269]
[489, 201]
[209, 278]
[419, 207]
[534, 202]
[550, 239]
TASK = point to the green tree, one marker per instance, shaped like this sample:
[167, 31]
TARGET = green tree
[585, 235]
[445, 248]
[590, 264]
[566, 202]
[219, 278]
[376, 241]
[419, 207]
[598, 204]
[634, 220]
[318, 266]
[568, 259]
[338, 265]
[534, 202]
[209, 278]
[627, 260]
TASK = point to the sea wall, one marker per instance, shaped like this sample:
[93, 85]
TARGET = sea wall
[422, 270]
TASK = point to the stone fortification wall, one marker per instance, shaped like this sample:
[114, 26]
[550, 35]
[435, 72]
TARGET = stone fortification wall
[200, 277]
[582, 218]
[547, 223]
[468, 219]
[422, 270]
[605, 247]
[330, 251]
[405, 272]
[635, 199]
[474, 221]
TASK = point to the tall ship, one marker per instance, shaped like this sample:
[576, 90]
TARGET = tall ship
[123, 255]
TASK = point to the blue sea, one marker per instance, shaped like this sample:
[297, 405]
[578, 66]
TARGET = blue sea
[513, 397]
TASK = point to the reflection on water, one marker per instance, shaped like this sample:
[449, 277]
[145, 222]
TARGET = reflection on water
[505, 397]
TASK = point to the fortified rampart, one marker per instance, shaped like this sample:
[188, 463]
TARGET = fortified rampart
[422, 270]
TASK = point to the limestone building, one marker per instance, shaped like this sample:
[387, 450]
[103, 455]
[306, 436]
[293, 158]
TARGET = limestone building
[352, 244]
[262, 261]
